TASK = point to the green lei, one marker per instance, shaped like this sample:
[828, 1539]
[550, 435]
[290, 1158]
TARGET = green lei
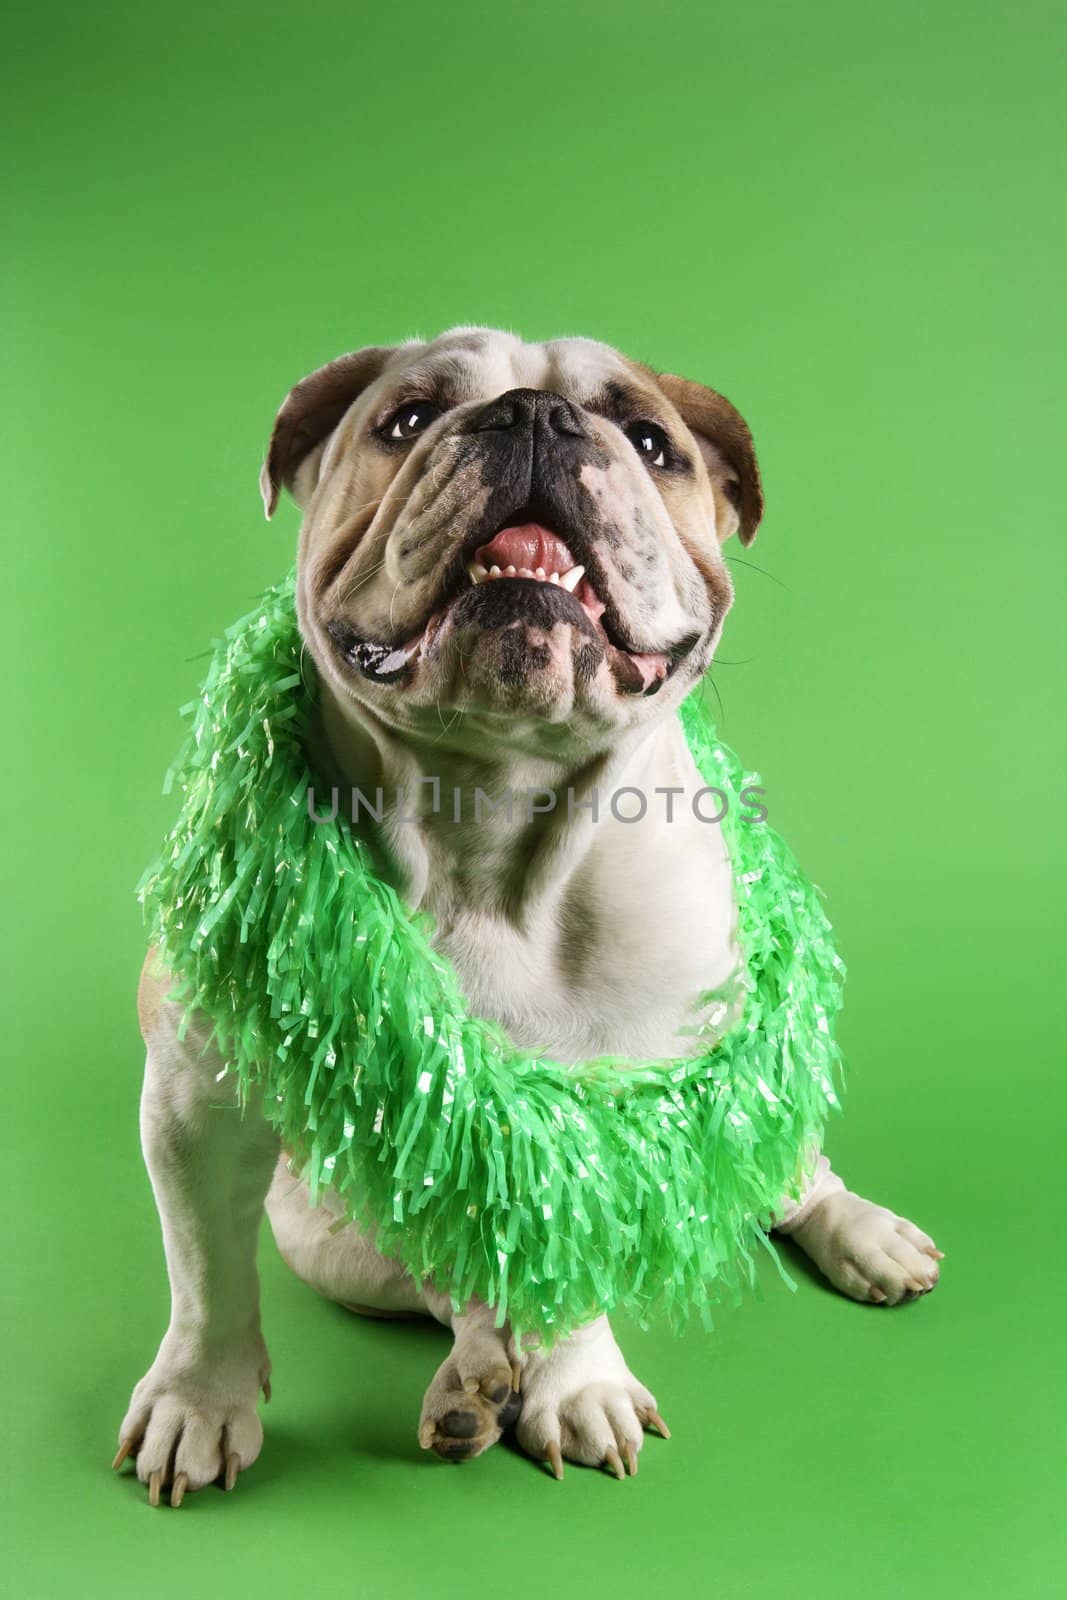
[553, 1192]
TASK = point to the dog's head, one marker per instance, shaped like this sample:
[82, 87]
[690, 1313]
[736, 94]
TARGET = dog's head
[495, 527]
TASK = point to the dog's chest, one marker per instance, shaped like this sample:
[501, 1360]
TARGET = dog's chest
[618, 963]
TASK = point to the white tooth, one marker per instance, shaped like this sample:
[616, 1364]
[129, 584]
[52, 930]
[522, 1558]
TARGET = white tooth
[554, 577]
[540, 573]
[570, 580]
[509, 572]
[494, 572]
[476, 572]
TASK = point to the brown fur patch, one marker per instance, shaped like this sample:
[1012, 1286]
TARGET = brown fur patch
[313, 409]
[723, 435]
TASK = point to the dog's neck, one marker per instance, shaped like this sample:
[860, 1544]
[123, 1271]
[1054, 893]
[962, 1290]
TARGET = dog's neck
[583, 935]
[465, 821]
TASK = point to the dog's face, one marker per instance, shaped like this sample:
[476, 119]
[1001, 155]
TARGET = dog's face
[519, 531]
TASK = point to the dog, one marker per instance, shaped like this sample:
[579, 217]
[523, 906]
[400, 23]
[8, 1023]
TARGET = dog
[509, 575]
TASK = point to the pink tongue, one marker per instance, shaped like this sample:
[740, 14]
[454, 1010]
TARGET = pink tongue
[527, 545]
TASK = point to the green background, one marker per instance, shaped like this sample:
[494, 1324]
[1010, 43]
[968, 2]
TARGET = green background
[843, 217]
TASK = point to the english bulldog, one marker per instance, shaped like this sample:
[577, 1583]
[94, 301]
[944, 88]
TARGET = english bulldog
[509, 575]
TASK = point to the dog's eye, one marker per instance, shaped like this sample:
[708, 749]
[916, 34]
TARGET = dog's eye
[650, 442]
[411, 419]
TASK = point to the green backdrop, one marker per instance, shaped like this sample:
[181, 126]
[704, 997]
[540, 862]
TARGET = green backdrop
[843, 217]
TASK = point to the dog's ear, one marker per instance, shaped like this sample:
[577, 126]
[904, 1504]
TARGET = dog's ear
[725, 443]
[307, 415]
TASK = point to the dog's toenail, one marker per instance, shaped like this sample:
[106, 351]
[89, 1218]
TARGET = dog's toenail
[500, 1393]
[460, 1424]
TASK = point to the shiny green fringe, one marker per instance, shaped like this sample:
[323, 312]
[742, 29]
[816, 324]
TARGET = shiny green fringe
[552, 1192]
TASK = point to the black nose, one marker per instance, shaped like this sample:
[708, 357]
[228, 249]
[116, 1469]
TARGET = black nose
[531, 408]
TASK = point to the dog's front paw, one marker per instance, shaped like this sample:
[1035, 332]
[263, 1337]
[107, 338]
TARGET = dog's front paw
[581, 1401]
[868, 1252]
[474, 1394]
[193, 1418]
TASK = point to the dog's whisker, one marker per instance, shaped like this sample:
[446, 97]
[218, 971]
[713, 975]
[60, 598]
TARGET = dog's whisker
[445, 727]
[708, 682]
[738, 561]
[360, 581]
[304, 661]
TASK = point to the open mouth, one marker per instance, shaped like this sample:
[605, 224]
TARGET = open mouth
[530, 553]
